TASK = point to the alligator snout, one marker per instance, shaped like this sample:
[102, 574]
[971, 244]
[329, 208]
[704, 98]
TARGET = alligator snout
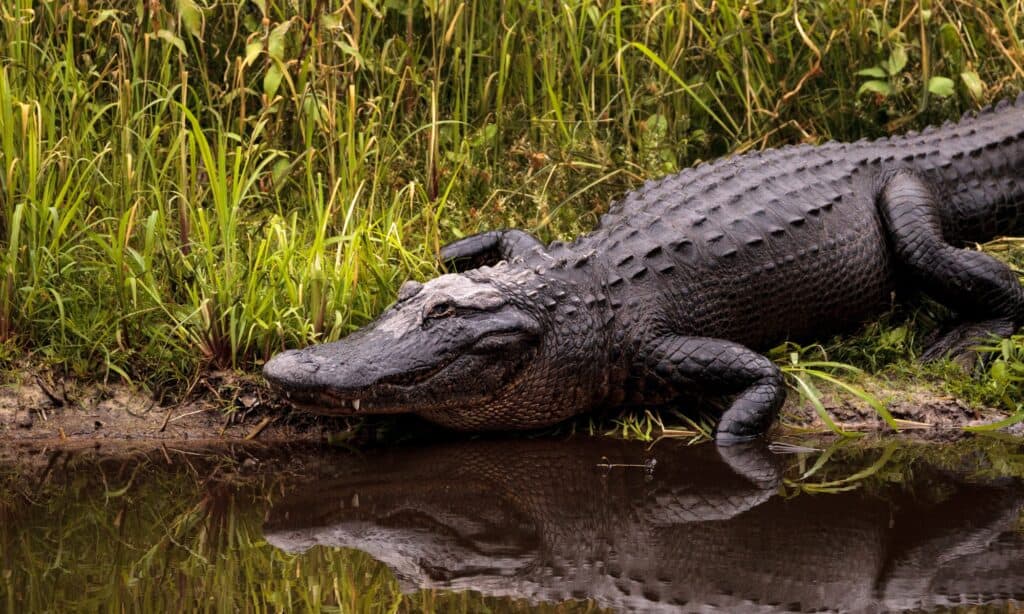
[291, 368]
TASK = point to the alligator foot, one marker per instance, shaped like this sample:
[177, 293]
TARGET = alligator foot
[961, 342]
[487, 249]
[722, 367]
[973, 284]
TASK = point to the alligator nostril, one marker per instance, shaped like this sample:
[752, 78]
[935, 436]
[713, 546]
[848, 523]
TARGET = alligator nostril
[289, 366]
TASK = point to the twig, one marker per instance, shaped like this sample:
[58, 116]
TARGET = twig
[259, 428]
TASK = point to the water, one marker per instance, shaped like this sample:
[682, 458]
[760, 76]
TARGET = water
[521, 525]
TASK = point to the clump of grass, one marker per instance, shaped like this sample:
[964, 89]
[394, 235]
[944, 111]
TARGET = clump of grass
[650, 426]
[187, 186]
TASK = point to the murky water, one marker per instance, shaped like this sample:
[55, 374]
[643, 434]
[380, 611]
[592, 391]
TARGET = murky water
[523, 525]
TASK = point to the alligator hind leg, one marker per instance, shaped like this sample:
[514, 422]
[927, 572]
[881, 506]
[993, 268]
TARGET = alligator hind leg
[487, 248]
[985, 293]
[722, 367]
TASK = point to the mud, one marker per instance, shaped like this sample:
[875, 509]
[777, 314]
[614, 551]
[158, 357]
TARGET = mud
[226, 407]
[920, 411]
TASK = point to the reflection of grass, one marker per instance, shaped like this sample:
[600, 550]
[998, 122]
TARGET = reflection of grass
[162, 540]
[848, 464]
[149, 536]
[848, 482]
[142, 537]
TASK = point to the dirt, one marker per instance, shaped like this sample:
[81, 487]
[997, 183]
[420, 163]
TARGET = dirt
[919, 410]
[230, 407]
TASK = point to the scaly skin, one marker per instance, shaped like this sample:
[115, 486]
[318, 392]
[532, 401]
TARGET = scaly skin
[686, 280]
[546, 521]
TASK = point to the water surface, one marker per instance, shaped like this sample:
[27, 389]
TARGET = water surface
[517, 525]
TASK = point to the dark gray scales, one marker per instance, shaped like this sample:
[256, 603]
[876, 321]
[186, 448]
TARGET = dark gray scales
[701, 271]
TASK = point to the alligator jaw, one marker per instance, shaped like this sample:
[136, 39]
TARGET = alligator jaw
[328, 405]
[307, 379]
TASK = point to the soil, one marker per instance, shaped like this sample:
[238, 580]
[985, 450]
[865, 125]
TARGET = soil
[228, 407]
[920, 411]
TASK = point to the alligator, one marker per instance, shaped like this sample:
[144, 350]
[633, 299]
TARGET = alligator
[546, 521]
[686, 282]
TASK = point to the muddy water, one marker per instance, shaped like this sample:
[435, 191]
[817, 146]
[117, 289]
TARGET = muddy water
[525, 525]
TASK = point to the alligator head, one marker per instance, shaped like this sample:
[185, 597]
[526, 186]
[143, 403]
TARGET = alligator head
[479, 349]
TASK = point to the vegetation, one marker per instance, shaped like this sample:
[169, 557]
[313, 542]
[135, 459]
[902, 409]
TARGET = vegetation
[188, 185]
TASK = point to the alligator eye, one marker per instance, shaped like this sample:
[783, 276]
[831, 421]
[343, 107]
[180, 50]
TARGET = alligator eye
[441, 310]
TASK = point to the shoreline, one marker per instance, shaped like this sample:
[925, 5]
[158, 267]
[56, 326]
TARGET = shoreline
[239, 408]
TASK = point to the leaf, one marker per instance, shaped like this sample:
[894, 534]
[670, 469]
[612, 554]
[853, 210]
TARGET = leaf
[252, 51]
[191, 17]
[351, 51]
[975, 86]
[272, 80]
[876, 87]
[894, 338]
[279, 171]
[941, 86]
[949, 37]
[897, 59]
[862, 394]
[875, 71]
[332, 21]
[1018, 416]
[171, 38]
[275, 42]
[809, 392]
[99, 17]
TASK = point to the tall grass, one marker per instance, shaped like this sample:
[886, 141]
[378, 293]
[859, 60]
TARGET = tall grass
[197, 184]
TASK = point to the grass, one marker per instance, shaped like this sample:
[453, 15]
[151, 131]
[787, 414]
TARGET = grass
[192, 185]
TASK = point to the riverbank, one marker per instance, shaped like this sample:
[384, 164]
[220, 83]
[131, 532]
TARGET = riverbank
[235, 407]
[226, 407]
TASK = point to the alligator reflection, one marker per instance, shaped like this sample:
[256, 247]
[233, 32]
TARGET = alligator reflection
[542, 520]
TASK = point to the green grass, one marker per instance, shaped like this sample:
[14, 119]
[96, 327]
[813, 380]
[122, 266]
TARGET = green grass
[191, 185]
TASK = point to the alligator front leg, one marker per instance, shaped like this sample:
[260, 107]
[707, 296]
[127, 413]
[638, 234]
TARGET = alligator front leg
[488, 248]
[722, 367]
[983, 291]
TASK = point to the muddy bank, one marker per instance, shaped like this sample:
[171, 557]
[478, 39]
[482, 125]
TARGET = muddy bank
[223, 407]
[920, 410]
[232, 407]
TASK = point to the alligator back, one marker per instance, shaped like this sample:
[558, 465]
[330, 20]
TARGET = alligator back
[788, 243]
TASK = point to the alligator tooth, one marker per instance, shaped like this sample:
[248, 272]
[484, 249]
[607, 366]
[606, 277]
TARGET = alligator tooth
[355, 404]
